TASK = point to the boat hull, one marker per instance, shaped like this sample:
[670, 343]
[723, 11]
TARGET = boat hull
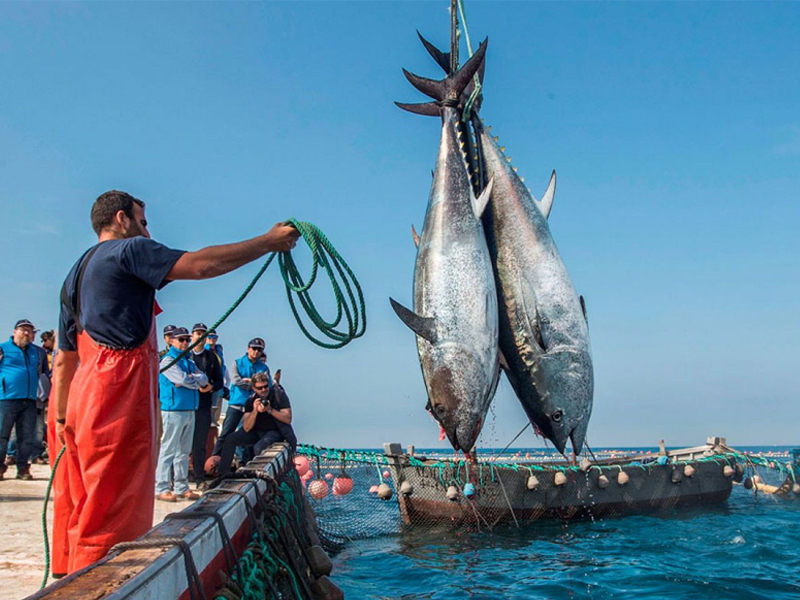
[502, 495]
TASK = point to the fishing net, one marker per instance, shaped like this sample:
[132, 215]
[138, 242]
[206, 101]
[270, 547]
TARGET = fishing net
[278, 562]
[359, 494]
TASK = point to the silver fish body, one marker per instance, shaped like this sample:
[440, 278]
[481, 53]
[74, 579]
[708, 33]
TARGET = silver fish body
[544, 336]
[455, 299]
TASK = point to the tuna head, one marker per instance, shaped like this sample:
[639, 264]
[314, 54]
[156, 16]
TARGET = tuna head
[459, 391]
[565, 378]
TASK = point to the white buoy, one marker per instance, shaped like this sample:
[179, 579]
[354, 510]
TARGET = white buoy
[560, 478]
[688, 470]
[796, 489]
[533, 482]
[585, 464]
[602, 482]
[406, 488]
[384, 492]
[728, 471]
[623, 478]
[452, 493]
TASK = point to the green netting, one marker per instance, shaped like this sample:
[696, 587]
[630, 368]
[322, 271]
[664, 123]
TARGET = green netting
[481, 495]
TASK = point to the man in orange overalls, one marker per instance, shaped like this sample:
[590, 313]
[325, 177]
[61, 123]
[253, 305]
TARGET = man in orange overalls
[106, 371]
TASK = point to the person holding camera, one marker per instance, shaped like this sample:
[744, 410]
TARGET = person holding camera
[267, 419]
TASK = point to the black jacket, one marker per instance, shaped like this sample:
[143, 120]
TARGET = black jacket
[208, 363]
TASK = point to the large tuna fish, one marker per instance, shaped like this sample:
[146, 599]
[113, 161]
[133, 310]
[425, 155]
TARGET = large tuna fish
[455, 301]
[544, 338]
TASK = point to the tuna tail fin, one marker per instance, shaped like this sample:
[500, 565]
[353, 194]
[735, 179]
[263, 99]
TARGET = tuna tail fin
[426, 109]
[546, 203]
[424, 327]
[442, 58]
[481, 202]
[450, 88]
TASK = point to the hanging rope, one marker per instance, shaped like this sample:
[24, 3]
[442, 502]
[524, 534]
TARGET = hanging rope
[350, 308]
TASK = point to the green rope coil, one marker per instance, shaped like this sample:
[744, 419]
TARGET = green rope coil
[350, 307]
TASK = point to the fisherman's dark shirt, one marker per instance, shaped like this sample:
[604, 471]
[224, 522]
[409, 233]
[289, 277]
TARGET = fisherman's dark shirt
[117, 292]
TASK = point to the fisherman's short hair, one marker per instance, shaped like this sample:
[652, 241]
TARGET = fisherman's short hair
[107, 205]
[260, 378]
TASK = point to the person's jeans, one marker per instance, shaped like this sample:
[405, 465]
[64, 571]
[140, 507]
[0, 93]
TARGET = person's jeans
[176, 443]
[20, 414]
[232, 419]
[202, 424]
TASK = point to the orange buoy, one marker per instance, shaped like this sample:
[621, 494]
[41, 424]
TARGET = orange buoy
[302, 465]
[318, 489]
[342, 485]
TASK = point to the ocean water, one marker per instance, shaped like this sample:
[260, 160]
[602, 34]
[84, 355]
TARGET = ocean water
[747, 548]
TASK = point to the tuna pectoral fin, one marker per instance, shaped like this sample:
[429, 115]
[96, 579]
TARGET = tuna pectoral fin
[481, 202]
[546, 203]
[583, 308]
[416, 237]
[424, 327]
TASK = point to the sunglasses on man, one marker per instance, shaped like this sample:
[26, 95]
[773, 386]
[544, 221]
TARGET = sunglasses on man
[261, 388]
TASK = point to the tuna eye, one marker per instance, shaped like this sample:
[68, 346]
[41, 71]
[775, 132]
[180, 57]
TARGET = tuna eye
[557, 415]
[440, 409]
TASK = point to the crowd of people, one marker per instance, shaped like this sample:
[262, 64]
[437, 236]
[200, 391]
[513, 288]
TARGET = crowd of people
[193, 390]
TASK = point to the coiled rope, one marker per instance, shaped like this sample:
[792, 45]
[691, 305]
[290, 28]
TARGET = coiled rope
[350, 308]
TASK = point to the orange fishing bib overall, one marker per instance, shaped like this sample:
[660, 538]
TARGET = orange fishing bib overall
[110, 435]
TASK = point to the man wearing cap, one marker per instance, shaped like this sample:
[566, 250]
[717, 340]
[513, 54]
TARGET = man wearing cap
[20, 366]
[179, 386]
[167, 335]
[106, 408]
[242, 370]
[207, 362]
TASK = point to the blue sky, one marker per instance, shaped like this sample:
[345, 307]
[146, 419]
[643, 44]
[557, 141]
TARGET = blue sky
[673, 127]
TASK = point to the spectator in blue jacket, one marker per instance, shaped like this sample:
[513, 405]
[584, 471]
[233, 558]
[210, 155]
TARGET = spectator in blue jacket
[179, 387]
[242, 370]
[19, 384]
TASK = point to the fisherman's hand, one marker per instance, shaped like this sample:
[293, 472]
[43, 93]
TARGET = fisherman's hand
[281, 238]
[277, 377]
[60, 433]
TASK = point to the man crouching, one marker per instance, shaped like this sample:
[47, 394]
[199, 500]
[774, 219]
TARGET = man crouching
[267, 419]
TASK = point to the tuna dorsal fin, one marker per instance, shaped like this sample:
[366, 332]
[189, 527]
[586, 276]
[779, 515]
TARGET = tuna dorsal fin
[424, 327]
[426, 109]
[546, 203]
[416, 237]
[442, 58]
[583, 308]
[481, 202]
[451, 87]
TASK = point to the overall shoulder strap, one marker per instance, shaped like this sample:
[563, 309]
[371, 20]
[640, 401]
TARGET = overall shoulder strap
[75, 310]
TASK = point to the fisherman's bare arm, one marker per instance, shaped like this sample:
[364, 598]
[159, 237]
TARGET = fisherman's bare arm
[65, 365]
[214, 261]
